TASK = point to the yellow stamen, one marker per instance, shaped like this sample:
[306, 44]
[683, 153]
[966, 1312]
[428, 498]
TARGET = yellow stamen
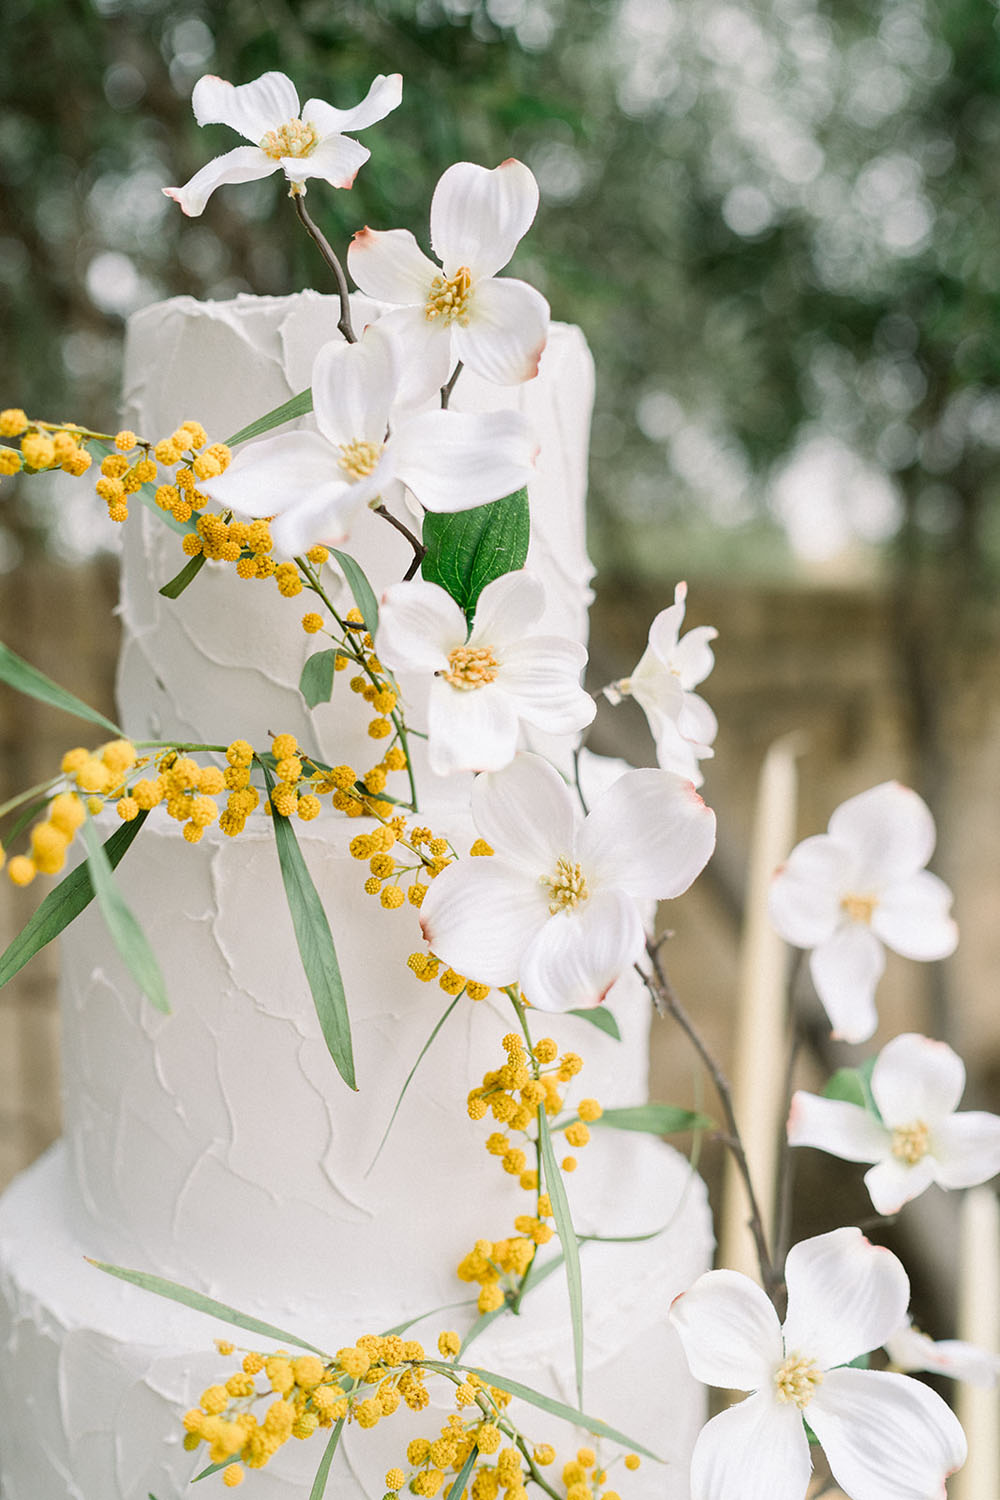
[359, 459]
[911, 1143]
[471, 667]
[567, 887]
[859, 908]
[292, 139]
[796, 1379]
[449, 297]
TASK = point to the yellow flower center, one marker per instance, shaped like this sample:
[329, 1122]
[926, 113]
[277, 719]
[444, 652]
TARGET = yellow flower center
[859, 908]
[449, 297]
[796, 1379]
[292, 139]
[567, 887]
[359, 459]
[911, 1143]
[471, 667]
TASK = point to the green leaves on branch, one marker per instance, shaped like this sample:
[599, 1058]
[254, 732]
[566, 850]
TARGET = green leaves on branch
[318, 1489]
[296, 406]
[316, 681]
[409, 1079]
[126, 934]
[467, 550]
[556, 1189]
[601, 1018]
[357, 582]
[655, 1119]
[27, 679]
[187, 574]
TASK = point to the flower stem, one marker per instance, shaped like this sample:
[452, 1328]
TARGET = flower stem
[326, 250]
[447, 389]
[419, 550]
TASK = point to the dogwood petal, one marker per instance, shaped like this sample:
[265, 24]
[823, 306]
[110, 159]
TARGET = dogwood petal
[915, 1078]
[328, 516]
[674, 752]
[336, 160]
[804, 898]
[912, 917]
[655, 688]
[696, 721]
[886, 1437]
[453, 460]
[665, 630]
[893, 1182]
[470, 731]
[479, 216]
[576, 958]
[382, 98]
[757, 1450]
[275, 473]
[845, 1297]
[506, 333]
[834, 1125]
[911, 1350]
[389, 266]
[251, 108]
[419, 624]
[729, 1330]
[542, 677]
[242, 164]
[845, 970]
[889, 830]
[480, 918]
[423, 355]
[526, 814]
[506, 610]
[967, 1149]
[353, 387]
[692, 657]
[650, 834]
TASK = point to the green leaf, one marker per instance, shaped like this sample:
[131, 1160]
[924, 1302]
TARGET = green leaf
[655, 1119]
[409, 1079]
[468, 549]
[212, 1469]
[553, 1407]
[458, 1485]
[315, 944]
[601, 1018]
[27, 679]
[64, 903]
[126, 934]
[853, 1086]
[175, 1292]
[187, 574]
[622, 1239]
[364, 596]
[556, 1190]
[316, 682]
[296, 406]
[434, 1313]
[322, 1473]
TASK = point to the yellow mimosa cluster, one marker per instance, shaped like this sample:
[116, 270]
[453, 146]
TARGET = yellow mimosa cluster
[98, 774]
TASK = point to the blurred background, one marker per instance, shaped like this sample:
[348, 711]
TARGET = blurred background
[777, 225]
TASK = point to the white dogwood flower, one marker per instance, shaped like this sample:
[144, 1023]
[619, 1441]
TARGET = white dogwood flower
[302, 144]
[557, 906]
[885, 1436]
[460, 309]
[318, 483]
[911, 1350]
[861, 884]
[916, 1138]
[488, 681]
[680, 721]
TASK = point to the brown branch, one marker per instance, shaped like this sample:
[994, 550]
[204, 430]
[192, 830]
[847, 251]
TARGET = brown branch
[419, 550]
[447, 389]
[345, 325]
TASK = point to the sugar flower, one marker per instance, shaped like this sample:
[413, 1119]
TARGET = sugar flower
[318, 483]
[909, 1349]
[310, 143]
[460, 310]
[488, 681]
[681, 722]
[861, 884]
[916, 1138]
[557, 907]
[885, 1436]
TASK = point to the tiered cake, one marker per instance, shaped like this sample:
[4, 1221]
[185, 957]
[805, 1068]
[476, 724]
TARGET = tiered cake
[218, 1146]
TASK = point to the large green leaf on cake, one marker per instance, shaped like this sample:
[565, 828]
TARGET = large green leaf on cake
[20, 674]
[467, 550]
[126, 934]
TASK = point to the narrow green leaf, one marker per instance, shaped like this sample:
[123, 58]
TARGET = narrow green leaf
[146, 494]
[553, 1407]
[175, 588]
[434, 1312]
[315, 944]
[853, 1086]
[27, 679]
[409, 1079]
[63, 903]
[296, 406]
[655, 1119]
[535, 1276]
[212, 1469]
[316, 682]
[322, 1473]
[458, 1485]
[364, 596]
[622, 1239]
[556, 1190]
[126, 934]
[470, 548]
[175, 1292]
[601, 1018]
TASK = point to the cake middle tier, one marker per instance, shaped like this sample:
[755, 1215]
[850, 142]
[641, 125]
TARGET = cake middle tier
[219, 1146]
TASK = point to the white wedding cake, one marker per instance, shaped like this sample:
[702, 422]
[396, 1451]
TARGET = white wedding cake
[218, 1146]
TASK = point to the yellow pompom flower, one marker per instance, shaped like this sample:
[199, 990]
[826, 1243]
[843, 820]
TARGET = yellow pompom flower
[119, 756]
[283, 746]
[546, 1050]
[392, 897]
[66, 812]
[279, 1372]
[378, 729]
[48, 848]
[37, 450]
[127, 809]
[589, 1110]
[309, 807]
[10, 461]
[232, 1475]
[569, 1164]
[214, 1400]
[13, 422]
[448, 1344]
[577, 1135]
[544, 1455]
[312, 622]
[239, 753]
[21, 870]
[125, 440]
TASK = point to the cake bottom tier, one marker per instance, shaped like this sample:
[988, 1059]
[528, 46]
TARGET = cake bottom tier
[96, 1374]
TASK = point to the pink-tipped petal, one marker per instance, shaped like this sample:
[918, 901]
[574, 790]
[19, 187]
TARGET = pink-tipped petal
[845, 1297]
[911, 1350]
[892, 1182]
[889, 831]
[242, 164]
[480, 918]
[804, 898]
[576, 958]
[251, 108]
[650, 834]
[967, 1149]
[419, 626]
[916, 1078]
[846, 970]
[757, 1450]
[506, 333]
[527, 815]
[470, 731]
[337, 160]
[455, 460]
[382, 98]
[886, 1437]
[353, 387]
[834, 1125]
[390, 266]
[479, 216]
[913, 917]
[729, 1330]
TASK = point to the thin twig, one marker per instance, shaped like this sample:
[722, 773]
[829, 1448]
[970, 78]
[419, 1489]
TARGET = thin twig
[783, 1189]
[326, 250]
[446, 390]
[419, 550]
